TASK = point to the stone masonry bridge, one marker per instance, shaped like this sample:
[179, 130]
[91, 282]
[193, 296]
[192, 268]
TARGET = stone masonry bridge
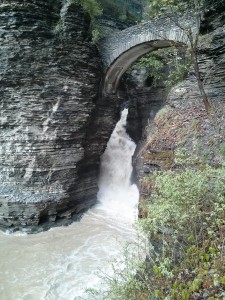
[119, 51]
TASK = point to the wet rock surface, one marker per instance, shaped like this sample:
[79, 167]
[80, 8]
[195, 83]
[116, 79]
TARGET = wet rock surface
[144, 103]
[50, 114]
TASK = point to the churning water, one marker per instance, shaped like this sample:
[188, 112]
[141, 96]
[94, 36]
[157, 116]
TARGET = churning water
[61, 263]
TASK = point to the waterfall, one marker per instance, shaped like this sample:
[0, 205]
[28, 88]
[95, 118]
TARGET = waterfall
[118, 197]
[61, 263]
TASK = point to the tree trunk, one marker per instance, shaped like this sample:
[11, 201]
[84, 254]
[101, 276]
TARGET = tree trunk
[197, 73]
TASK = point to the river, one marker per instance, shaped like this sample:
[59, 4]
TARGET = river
[61, 263]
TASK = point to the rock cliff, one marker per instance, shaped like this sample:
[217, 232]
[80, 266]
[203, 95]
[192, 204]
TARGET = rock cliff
[50, 114]
[183, 109]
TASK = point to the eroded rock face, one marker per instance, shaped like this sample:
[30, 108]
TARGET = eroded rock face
[211, 57]
[144, 103]
[49, 84]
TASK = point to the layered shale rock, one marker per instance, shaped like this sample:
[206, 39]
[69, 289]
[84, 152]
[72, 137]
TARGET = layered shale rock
[49, 84]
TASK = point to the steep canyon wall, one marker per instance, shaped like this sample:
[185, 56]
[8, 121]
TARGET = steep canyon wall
[50, 114]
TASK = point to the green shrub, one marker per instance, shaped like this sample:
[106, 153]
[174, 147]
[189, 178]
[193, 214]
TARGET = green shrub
[183, 198]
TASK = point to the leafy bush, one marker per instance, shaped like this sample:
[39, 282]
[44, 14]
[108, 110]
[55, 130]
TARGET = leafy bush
[185, 198]
[186, 216]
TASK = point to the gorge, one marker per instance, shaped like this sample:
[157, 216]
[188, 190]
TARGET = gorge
[55, 120]
[61, 98]
[50, 113]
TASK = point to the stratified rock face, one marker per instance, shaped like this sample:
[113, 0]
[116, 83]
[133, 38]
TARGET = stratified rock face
[49, 82]
[212, 51]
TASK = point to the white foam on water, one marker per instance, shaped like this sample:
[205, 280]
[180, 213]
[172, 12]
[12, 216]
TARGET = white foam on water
[61, 263]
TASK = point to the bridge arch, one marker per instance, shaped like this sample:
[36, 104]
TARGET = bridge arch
[122, 49]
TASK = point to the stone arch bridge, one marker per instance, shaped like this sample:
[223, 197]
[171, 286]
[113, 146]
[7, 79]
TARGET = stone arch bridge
[119, 51]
